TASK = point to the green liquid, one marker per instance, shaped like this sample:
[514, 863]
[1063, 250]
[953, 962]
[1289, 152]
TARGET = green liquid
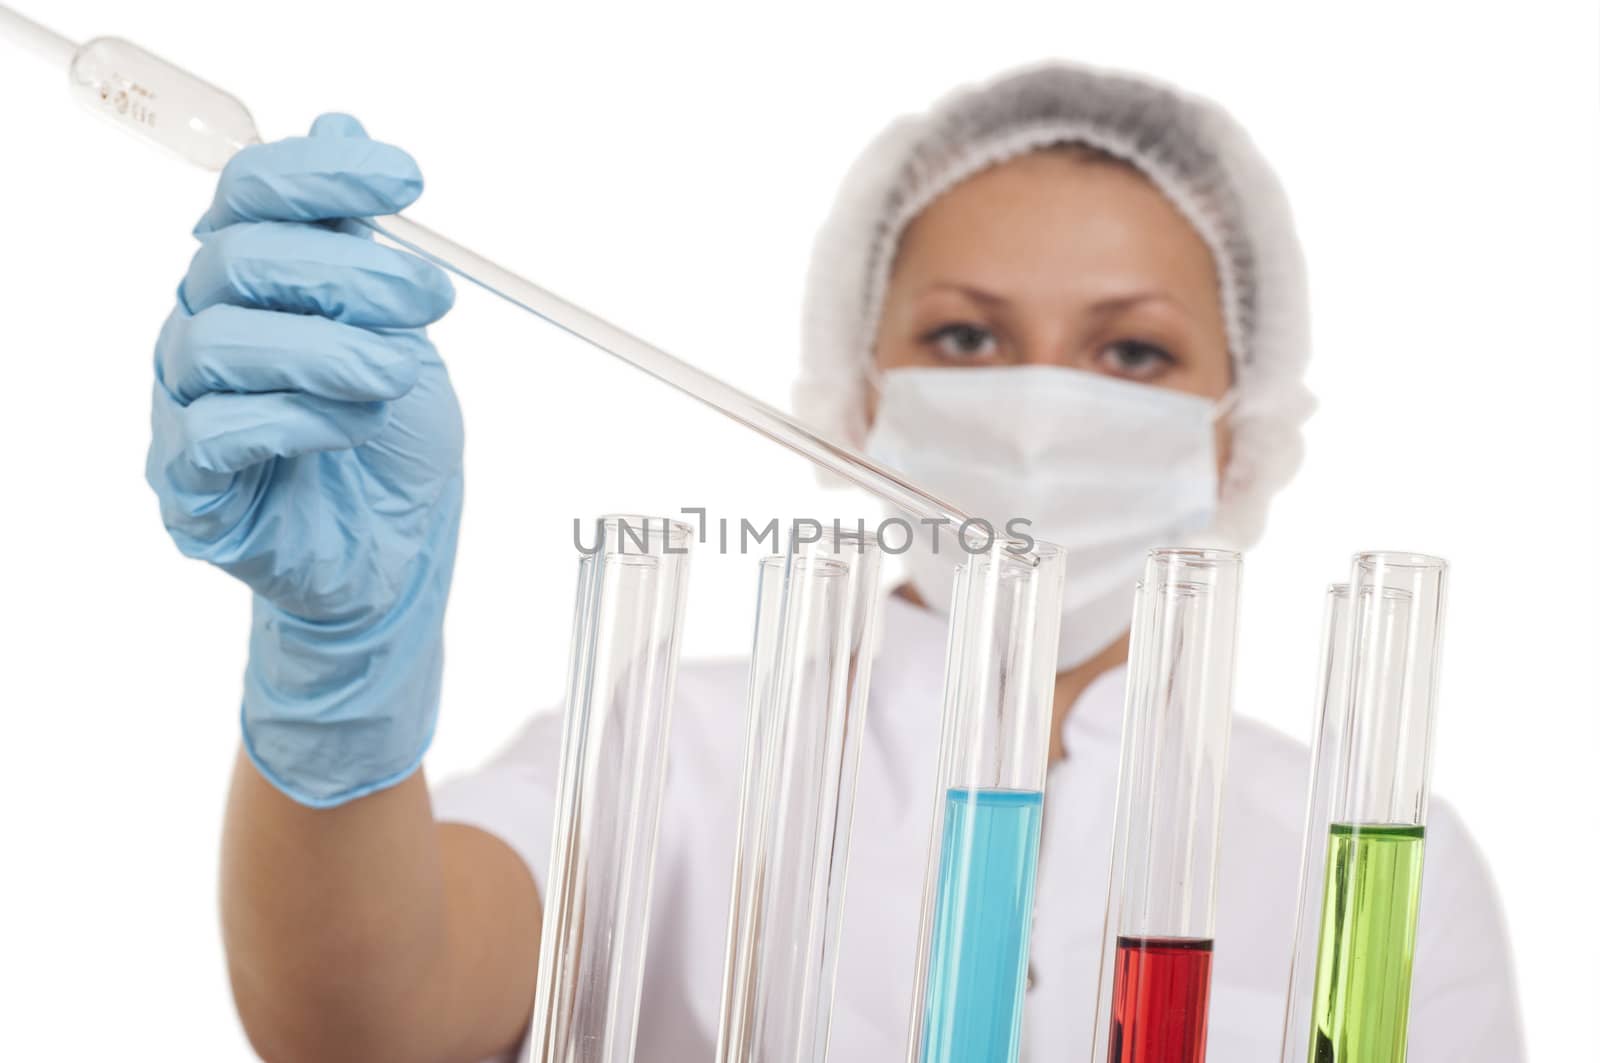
[1369, 927]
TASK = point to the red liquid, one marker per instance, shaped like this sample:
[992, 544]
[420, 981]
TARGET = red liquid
[1158, 1000]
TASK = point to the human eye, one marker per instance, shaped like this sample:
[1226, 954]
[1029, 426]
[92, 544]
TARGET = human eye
[962, 341]
[1135, 359]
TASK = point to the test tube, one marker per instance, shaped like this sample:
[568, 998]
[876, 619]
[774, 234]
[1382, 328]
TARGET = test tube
[1155, 957]
[631, 591]
[1331, 704]
[977, 908]
[1376, 813]
[815, 623]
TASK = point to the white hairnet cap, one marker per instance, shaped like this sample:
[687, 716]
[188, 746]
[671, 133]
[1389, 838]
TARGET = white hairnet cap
[1197, 155]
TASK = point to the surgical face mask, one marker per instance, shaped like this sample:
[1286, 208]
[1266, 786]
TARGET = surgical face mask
[1103, 467]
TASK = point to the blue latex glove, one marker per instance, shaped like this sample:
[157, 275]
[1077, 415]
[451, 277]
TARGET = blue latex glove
[305, 439]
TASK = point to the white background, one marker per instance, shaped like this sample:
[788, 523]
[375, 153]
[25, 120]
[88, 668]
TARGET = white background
[667, 167]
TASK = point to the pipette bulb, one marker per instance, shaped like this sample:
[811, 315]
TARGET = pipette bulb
[154, 99]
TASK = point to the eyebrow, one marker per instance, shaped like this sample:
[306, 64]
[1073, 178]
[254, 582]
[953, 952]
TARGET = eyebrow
[1100, 307]
[977, 295]
[1118, 303]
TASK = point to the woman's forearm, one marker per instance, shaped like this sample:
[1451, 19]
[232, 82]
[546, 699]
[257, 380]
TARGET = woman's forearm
[368, 932]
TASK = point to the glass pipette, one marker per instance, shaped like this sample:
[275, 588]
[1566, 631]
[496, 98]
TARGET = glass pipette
[164, 103]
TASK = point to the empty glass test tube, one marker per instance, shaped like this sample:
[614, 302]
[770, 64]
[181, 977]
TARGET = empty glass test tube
[1327, 732]
[1374, 815]
[816, 620]
[977, 908]
[1155, 956]
[631, 592]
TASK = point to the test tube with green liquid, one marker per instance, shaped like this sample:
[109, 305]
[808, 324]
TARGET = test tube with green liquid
[1367, 817]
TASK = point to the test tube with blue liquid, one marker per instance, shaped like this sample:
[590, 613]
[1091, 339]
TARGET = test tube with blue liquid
[977, 910]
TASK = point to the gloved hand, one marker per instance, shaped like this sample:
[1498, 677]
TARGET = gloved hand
[305, 439]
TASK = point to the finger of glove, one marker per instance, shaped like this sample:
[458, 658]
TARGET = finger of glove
[228, 349]
[226, 433]
[335, 124]
[306, 269]
[336, 172]
[338, 124]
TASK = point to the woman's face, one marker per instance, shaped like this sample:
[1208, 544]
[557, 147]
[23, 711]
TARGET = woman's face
[1059, 258]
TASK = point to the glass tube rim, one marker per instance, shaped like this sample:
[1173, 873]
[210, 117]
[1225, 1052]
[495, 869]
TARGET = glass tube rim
[1368, 590]
[1371, 560]
[1021, 563]
[811, 566]
[1196, 556]
[837, 541]
[661, 535]
[1189, 572]
[1041, 553]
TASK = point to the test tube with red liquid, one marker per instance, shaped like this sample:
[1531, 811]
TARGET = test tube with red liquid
[1156, 955]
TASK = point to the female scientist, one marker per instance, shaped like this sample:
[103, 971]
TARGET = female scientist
[1036, 267]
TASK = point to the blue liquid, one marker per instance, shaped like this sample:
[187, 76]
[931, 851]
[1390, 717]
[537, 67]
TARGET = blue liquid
[978, 964]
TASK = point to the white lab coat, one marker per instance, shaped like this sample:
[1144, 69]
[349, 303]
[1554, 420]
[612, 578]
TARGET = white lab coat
[1464, 1007]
